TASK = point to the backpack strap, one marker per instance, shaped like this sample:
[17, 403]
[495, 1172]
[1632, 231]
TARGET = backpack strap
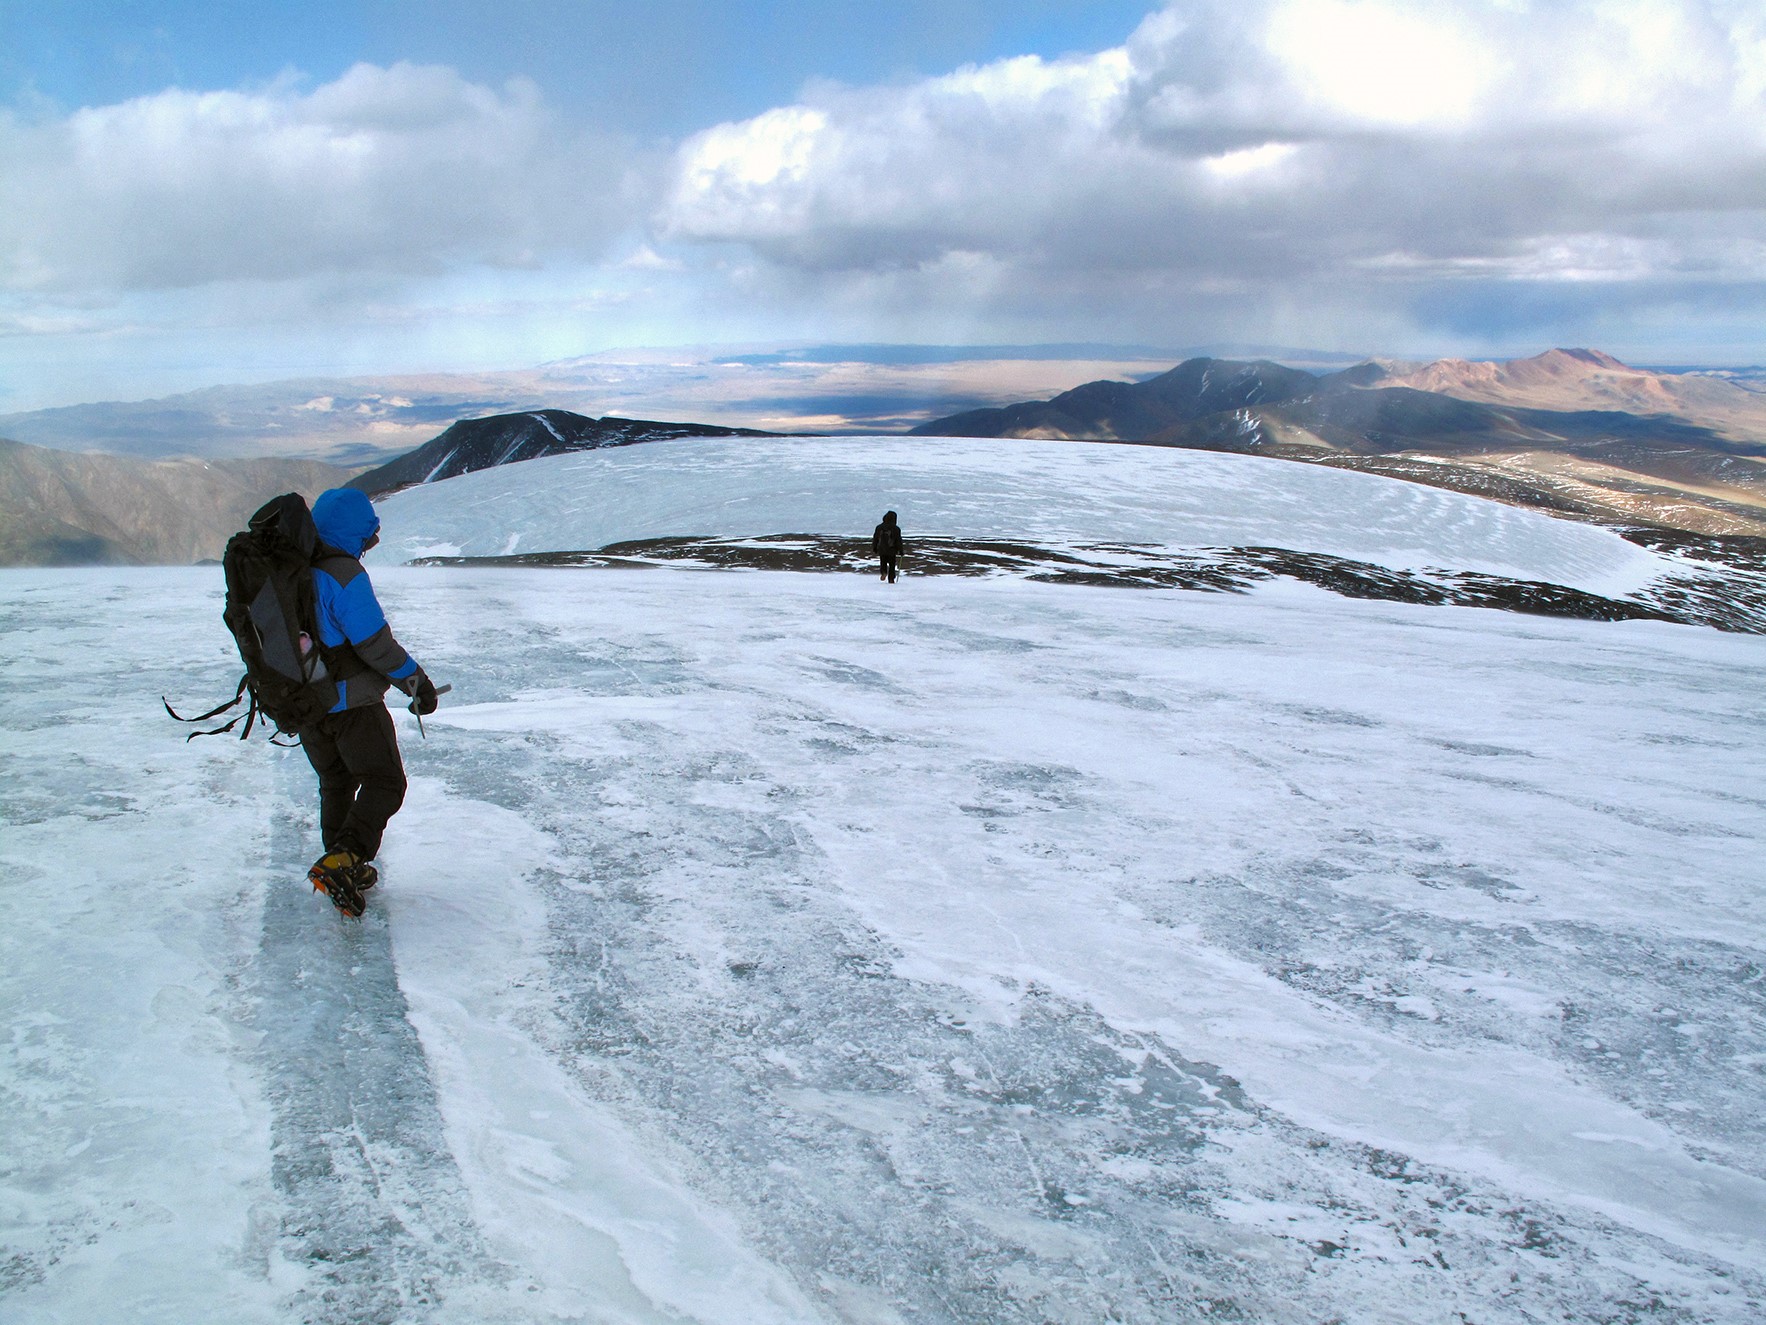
[214, 712]
[250, 715]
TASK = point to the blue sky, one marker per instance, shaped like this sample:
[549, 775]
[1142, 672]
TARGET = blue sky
[204, 193]
[665, 67]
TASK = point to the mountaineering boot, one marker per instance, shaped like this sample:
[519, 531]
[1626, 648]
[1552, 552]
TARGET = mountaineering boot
[338, 875]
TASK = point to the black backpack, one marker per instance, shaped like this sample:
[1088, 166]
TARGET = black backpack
[290, 676]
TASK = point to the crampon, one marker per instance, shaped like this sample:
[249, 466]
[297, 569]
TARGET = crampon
[343, 876]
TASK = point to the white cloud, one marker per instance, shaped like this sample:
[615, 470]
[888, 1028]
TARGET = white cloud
[1362, 174]
[1249, 151]
[1382, 64]
[1249, 163]
[386, 170]
[895, 174]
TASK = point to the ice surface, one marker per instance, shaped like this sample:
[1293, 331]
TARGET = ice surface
[1037, 491]
[769, 947]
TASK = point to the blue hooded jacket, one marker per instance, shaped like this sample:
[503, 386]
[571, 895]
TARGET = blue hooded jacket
[349, 613]
[346, 519]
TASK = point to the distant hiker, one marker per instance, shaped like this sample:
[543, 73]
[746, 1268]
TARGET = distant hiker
[353, 748]
[886, 543]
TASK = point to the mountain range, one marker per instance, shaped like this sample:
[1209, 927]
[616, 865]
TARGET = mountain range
[369, 420]
[1571, 430]
[62, 508]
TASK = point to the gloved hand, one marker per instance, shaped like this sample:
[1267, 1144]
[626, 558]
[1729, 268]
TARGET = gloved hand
[426, 698]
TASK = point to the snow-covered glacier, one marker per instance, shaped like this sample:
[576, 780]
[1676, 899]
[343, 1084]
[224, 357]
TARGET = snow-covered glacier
[985, 488]
[782, 947]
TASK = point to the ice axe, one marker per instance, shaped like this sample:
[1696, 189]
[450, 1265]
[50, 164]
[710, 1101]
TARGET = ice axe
[412, 707]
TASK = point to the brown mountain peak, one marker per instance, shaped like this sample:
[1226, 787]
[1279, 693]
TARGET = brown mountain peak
[1572, 361]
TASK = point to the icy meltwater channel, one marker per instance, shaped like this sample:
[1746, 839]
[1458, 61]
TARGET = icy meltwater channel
[968, 488]
[759, 947]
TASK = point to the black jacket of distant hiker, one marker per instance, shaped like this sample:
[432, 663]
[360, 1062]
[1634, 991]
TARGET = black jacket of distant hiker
[886, 543]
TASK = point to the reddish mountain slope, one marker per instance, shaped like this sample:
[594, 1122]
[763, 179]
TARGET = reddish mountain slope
[1590, 380]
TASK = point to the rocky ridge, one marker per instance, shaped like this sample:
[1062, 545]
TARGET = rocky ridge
[505, 439]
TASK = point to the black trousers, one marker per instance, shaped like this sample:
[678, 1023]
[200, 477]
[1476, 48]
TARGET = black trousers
[886, 566]
[361, 777]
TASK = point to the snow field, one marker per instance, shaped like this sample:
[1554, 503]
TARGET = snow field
[136, 1144]
[980, 488]
[772, 947]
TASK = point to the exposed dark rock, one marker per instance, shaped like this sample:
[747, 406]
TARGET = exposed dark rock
[1738, 551]
[1735, 602]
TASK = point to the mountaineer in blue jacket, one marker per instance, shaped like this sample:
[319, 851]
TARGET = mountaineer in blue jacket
[353, 748]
